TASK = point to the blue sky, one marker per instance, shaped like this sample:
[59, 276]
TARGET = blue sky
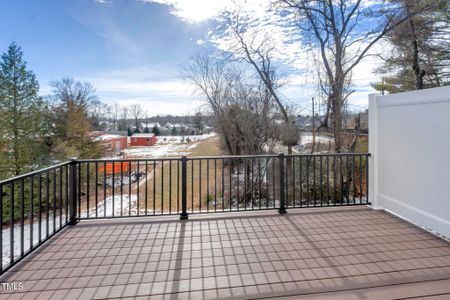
[131, 50]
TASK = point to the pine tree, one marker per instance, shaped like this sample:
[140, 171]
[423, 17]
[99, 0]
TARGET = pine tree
[22, 121]
[155, 130]
[71, 120]
[174, 130]
[130, 132]
[419, 58]
[198, 122]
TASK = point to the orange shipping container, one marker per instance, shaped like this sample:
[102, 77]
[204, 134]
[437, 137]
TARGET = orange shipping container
[117, 168]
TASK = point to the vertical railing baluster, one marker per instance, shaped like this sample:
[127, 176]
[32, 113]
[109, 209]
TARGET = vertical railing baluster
[146, 187]
[314, 181]
[40, 206]
[273, 182]
[230, 172]
[215, 184]
[354, 178]
[113, 189]
[223, 185]
[66, 210]
[282, 208]
[170, 186]
[293, 181]
[367, 178]
[96, 189]
[192, 186]
[360, 178]
[79, 190]
[121, 188]
[162, 186]
[238, 198]
[1, 227]
[321, 180]
[11, 223]
[207, 185]
[308, 194]
[47, 202]
[300, 175]
[22, 212]
[349, 184]
[73, 192]
[54, 200]
[30, 212]
[178, 185]
[259, 182]
[60, 195]
[334, 180]
[154, 187]
[246, 180]
[183, 215]
[200, 185]
[252, 195]
[328, 181]
[138, 182]
[129, 187]
[87, 190]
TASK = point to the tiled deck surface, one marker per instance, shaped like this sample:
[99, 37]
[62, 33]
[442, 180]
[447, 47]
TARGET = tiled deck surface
[352, 253]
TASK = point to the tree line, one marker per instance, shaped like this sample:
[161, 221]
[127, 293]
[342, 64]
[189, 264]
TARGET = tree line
[241, 84]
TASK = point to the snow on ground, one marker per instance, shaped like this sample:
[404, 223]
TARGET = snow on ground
[121, 205]
[307, 138]
[185, 138]
[172, 146]
[156, 151]
[26, 234]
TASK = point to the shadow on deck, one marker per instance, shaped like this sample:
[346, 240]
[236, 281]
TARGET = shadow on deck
[345, 253]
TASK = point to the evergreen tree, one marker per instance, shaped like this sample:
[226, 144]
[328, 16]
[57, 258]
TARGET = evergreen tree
[72, 100]
[130, 132]
[198, 122]
[146, 130]
[22, 122]
[174, 130]
[420, 57]
[155, 130]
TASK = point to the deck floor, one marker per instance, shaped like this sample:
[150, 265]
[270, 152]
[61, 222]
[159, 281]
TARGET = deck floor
[354, 253]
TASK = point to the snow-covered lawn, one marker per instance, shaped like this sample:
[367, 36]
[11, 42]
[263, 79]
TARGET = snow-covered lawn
[171, 147]
[181, 139]
[307, 138]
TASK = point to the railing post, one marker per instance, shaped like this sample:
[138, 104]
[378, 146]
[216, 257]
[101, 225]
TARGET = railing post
[282, 209]
[183, 215]
[73, 191]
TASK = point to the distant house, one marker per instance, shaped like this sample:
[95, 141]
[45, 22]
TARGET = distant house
[112, 142]
[143, 139]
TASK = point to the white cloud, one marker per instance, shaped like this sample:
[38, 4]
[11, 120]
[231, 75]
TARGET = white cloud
[193, 10]
[302, 77]
[126, 87]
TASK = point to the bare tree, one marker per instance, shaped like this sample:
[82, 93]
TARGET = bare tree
[337, 30]
[242, 108]
[123, 124]
[114, 111]
[254, 47]
[137, 114]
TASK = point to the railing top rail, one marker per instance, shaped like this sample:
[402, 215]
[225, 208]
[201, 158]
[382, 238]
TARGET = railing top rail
[33, 173]
[332, 154]
[211, 157]
[110, 160]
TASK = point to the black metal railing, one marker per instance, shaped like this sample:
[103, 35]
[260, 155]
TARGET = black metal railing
[35, 206]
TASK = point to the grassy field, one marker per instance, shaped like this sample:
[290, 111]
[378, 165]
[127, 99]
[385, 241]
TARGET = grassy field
[160, 189]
